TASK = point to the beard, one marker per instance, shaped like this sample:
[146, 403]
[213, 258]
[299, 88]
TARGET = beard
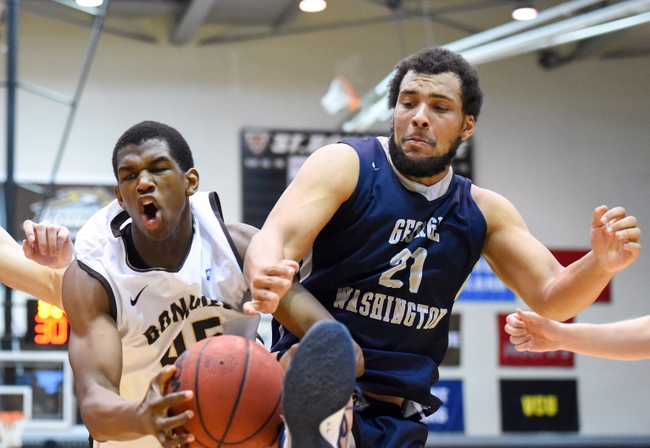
[431, 166]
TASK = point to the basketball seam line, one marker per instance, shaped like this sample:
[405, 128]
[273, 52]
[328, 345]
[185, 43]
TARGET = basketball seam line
[239, 395]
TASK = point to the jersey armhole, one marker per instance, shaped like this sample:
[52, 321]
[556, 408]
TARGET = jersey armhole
[96, 275]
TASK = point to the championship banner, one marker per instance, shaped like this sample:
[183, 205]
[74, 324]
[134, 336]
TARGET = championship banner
[509, 356]
[450, 416]
[566, 257]
[539, 405]
[272, 157]
[452, 357]
[484, 285]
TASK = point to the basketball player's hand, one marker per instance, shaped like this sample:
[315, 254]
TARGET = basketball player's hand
[614, 238]
[154, 415]
[531, 332]
[48, 244]
[269, 285]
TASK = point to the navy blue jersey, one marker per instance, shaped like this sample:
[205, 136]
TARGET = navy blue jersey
[389, 265]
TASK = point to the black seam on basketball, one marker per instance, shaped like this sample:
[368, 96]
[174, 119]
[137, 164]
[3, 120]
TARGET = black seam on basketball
[271, 415]
[197, 402]
[240, 392]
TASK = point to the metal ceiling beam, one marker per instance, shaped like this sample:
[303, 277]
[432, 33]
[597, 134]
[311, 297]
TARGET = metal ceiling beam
[192, 19]
[584, 26]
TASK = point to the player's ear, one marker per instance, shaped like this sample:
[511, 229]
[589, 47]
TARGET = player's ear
[191, 181]
[469, 123]
[118, 196]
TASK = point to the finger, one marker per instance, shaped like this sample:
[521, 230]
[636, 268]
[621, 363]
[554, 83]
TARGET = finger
[514, 321]
[52, 232]
[291, 264]
[162, 377]
[523, 316]
[522, 343]
[629, 236]
[174, 421]
[526, 346]
[174, 440]
[28, 228]
[41, 237]
[624, 222]
[614, 214]
[171, 400]
[598, 220]
[276, 285]
[249, 308]
[28, 249]
[278, 271]
[286, 358]
[513, 331]
[261, 306]
[63, 237]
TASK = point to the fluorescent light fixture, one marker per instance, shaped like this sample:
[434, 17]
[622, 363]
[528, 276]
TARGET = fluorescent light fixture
[524, 13]
[89, 3]
[482, 48]
[312, 5]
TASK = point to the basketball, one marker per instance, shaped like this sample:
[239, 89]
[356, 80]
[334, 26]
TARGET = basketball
[237, 388]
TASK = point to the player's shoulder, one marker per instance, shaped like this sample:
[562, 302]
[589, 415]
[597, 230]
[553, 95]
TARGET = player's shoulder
[497, 210]
[97, 229]
[84, 295]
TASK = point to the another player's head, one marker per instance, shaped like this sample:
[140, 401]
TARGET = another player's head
[435, 97]
[435, 60]
[153, 130]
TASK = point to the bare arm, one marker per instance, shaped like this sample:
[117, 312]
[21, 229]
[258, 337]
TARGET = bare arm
[533, 273]
[325, 181]
[298, 309]
[625, 340]
[95, 353]
[32, 267]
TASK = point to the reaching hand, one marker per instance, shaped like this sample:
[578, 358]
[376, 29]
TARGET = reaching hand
[531, 332]
[154, 409]
[48, 244]
[268, 287]
[614, 238]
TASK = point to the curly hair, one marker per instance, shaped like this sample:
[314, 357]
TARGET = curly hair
[435, 60]
[152, 130]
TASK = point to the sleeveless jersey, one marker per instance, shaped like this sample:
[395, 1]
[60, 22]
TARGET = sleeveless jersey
[389, 265]
[160, 313]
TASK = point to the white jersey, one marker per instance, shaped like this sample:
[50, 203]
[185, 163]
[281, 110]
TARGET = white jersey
[160, 313]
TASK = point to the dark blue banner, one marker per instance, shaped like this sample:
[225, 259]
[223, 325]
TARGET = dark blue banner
[450, 416]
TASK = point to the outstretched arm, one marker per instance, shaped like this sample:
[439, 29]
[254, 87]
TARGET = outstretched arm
[324, 182]
[298, 309]
[533, 273]
[95, 353]
[625, 340]
[36, 268]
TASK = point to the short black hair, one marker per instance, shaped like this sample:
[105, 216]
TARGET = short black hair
[435, 60]
[153, 130]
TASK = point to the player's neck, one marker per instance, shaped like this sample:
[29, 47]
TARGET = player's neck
[169, 254]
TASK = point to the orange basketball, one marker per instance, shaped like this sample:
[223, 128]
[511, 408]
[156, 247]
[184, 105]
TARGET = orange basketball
[237, 388]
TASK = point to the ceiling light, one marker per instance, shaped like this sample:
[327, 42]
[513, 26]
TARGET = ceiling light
[89, 3]
[524, 11]
[312, 5]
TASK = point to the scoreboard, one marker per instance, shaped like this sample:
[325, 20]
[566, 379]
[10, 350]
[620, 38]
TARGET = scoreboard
[47, 327]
